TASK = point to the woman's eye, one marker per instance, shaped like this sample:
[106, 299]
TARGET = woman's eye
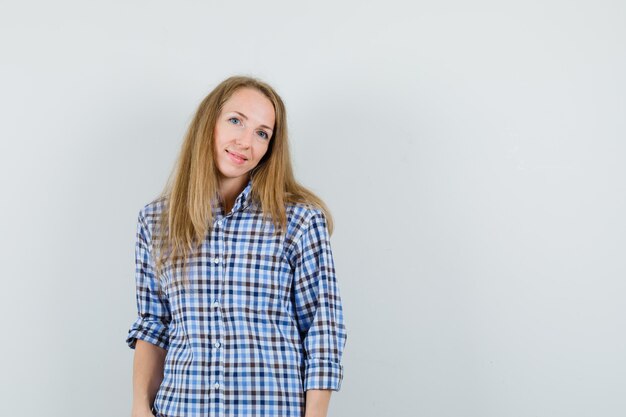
[263, 134]
[233, 118]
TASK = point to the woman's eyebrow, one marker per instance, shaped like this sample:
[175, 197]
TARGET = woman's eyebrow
[246, 117]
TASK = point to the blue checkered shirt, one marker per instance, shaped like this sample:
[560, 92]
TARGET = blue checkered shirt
[260, 323]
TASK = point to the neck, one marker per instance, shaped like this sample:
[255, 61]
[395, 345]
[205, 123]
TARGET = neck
[229, 189]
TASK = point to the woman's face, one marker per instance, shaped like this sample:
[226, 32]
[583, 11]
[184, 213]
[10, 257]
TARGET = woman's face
[242, 133]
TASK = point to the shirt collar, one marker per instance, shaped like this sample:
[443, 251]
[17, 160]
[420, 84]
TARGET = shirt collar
[242, 201]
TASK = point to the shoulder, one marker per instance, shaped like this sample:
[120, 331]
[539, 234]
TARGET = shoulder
[301, 215]
[305, 221]
[148, 216]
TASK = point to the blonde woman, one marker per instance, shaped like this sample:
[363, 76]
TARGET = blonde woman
[239, 310]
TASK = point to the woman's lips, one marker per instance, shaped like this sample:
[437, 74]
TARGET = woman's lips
[236, 159]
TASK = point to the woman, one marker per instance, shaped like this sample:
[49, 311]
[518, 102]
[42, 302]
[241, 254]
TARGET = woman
[239, 310]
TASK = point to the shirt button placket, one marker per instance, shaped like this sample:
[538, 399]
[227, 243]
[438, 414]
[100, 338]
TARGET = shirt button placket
[216, 313]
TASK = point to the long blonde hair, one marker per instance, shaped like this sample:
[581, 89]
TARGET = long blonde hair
[193, 184]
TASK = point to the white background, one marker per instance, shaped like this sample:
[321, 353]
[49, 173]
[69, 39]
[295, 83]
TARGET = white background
[472, 154]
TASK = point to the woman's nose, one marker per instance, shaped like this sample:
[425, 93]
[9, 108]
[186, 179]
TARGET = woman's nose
[245, 137]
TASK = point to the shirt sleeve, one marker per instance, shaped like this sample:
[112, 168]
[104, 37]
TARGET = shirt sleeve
[318, 308]
[153, 312]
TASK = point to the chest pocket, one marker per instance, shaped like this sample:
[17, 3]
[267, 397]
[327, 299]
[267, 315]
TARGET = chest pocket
[257, 281]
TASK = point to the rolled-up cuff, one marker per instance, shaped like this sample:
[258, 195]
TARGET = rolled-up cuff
[154, 332]
[322, 374]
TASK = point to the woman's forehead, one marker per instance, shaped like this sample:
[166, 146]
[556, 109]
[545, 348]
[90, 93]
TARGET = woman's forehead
[252, 104]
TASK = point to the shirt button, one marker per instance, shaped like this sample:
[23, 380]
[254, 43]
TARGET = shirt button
[216, 260]
[217, 344]
[217, 385]
[216, 303]
[219, 222]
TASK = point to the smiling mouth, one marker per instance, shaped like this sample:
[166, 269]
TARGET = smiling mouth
[237, 156]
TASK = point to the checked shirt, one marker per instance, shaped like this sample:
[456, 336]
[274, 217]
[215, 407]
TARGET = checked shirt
[260, 322]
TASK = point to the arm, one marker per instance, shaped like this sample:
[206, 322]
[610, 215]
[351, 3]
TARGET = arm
[149, 334]
[319, 314]
[317, 402]
[147, 376]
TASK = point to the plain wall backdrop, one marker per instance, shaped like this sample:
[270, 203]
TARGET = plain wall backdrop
[472, 154]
